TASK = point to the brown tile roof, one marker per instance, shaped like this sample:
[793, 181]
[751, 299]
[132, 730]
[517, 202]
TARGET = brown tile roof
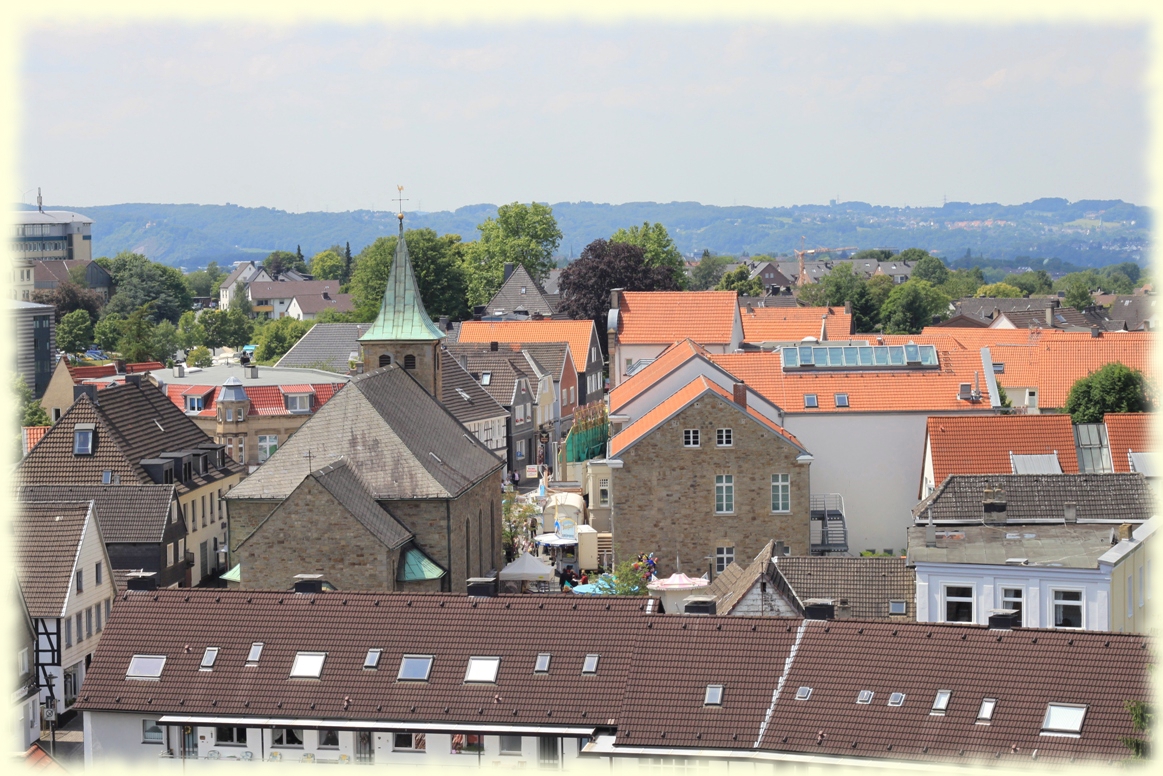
[36, 759]
[48, 538]
[670, 359]
[860, 588]
[663, 317]
[1128, 432]
[479, 404]
[733, 582]
[285, 289]
[317, 303]
[982, 444]
[579, 335]
[126, 513]
[783, 324]
[1034, 497]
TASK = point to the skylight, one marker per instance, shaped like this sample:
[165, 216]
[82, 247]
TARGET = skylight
[985, 713]
[941, 702]
[896, 699]
[308, 665]
[898, 607]
[482, 669]
[542, 666]
[714, 695]
[590, 666]
[255, 652]
[486, 378]
[1063, 718]
[803, 693]
[841, 399]
[414, 668]
[145, 666]
[865, 696]
[209, 656]
[810, 401]
[373, 658]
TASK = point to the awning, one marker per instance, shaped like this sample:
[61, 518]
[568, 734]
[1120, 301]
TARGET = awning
[526, 569]
[234, 575]
[553, 540]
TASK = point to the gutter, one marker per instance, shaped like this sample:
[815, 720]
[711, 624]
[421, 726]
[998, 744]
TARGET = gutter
[332, 724]
[603, 745]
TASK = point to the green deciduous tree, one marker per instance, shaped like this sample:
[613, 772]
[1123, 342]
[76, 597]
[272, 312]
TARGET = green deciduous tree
[659, 249]
[1032, 282]
[1142, 721]
[841, 286]
[191, 332]
[1000, 291]
[879, 287]
[1078, 294]
[107, 332]
[140, 281]
[739, 280]
[436, 262]
[521, 234]
[226, 328]
[630, 578]
[912, 255]
[279, 262]
[1113, 388]
[930, 268]
[165, 341]
[68, 297]
[30, 412]
[200, 357]
[75, 332]
[961, 283]
[137, 342]
[911, 306]
[205, 282]
[327, 265]
[708, 271]
[279, 336]
[331, 315]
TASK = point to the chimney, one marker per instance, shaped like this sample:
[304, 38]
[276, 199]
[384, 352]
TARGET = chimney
[87, 389]
[326, 295]
[819, 609]
[179, 370]
[1050, 317]
[252, 372]
[740, 393]
[444, 323]
[119, 365]
[482, 587]
[309, 583]
[494, 346]
[995, 314]
[1125, 532]
[1094, 332]
[750, 309]
[848, 307]
[537, 316]
[1070, 512]
[993, 505]
[616, 298]
[930, 531]
[141, 580]
[936, 319]
[133, 379]
[508, 271]
[478, 312]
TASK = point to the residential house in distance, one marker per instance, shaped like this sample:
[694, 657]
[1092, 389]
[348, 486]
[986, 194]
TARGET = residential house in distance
[272, 299]
[306, 307]
[791, 325]
[512, 382]
[520, 294]
[643, 324]
[439, 680]
[61, 390]
[237, 281]
[1037, 544]
[1135, 312]
[332, 347]
[64, 575]
[52, 234]
[133, 434]
[774, 281]
[36, 342]
[141, 526]
[21, 279]
[50, 273]
[705, 476]
[582, 337]
[252, 409]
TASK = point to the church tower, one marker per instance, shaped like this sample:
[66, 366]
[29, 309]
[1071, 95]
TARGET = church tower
[403, 333]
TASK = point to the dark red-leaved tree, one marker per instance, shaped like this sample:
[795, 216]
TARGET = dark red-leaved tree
[586, 283]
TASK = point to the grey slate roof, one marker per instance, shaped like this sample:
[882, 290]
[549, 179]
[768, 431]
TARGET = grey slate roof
[48, 537]
[1133, 310]
[1039, 497]
[403, 443]
[236, 274]
[509, 296]
[860, 588]
[326, 346]
[504, 369]
[1069, 546]
[463, 396]
[285, 289]
[341, 481]
[127, 513]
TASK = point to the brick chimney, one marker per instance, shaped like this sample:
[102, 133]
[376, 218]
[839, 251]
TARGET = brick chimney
[1125, 532]
[740, 391]
[494, 346]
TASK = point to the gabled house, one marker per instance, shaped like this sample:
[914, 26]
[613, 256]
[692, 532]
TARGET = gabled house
[774, 281]
[790, 325]
[306, 307]
[51, 273]
[133, 434]
[513, 384]
[474, 407]
[520, 294]
[26, 692]
[273, 298]
[65, 578]
[61, 390]
[236, 282]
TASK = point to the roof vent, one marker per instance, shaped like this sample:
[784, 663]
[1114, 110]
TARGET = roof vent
[1070, 512]
[308, 583]
[252, 372]
[1004, 619]
[699, 604]
[482, 587]
[141, 580]
[819, 609]
[179, 370]
[494, 346]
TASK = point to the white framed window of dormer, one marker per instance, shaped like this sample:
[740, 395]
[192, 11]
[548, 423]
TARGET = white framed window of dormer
[299, 403]
[193, 404]
[1068, 610]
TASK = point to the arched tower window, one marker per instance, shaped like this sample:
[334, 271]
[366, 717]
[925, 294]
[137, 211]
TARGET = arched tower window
[409, 362]
[385, 360]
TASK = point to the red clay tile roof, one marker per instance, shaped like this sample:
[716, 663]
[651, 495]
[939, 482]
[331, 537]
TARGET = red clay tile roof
[32, 435]
[578, 334]
[79, 373]
[982, 444]
[663, 317]
[670, 359]
[783, 324]
[36, 759]
[680, 399]
[144, 366]
[264, 399]
[1054, 364]
[1128, 432]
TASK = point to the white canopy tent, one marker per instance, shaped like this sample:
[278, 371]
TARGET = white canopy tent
[527, 569]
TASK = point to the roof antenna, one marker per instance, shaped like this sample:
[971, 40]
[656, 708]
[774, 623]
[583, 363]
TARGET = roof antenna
[400, 200]
[39, 201]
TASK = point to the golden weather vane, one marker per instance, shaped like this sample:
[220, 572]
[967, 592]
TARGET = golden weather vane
[400, 200]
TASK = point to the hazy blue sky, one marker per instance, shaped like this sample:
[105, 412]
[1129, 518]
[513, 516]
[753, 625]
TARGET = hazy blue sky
[327, 117]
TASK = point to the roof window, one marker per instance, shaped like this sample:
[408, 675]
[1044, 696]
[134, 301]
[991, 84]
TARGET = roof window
[898, 607]
[865, 696]
[841, 399]
[542, 666]
[83, 438]
[145, 666]
[414, 668]
[254, 654]
[810, 401]
[941, 702]
[714, 695]
[208, 658]
[1063, 719]
[308, 665]
[896, 699]
[803, 693]
[482, 669]
[373, 658]
[985, 713]
[590, 666]
[486, 378]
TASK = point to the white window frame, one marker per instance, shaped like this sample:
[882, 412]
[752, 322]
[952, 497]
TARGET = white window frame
[544, 660]
[308, 665]
[83, 441]
[298, 403]
[265, 444]
[372, 660]
[724, 437]
[811, 401]
[255, 653]
[1130, 595]
[423, 740]
[604, 492]
[941, 702]
[864, 697]
[147, 734]
[1071, 732]
[195, 404]
[1006, 601]
[209, 657]
[985, 710]
[1141, 586]
[724, 557]
[509, 750]
[590, 664]
[691, 438]
[893, 605]
[782, 482]
[482, 669]
[945, 599]
[896, 699]
[838, 397]
[803, 693]
[427, 669]
[150, 675]
[1081, 603]
[725, 494]
[713, 695]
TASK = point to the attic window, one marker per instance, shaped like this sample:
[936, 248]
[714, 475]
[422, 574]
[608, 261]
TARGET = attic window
[810, 401]
[373, 658]
[308, 665]
[482, 669]
[486, 378]
[898, 607]
[714, 695]
[985, 713]
[1063, 719]
[941, 702]
[896, 699]
[208, 658]
[803, 693]
[255, 653]
[999, 369]
[542, 665]
[865, 696]
[590, 666]
[83, 438]
[145, 666]
[414, 668]
[841, 399]
[106, 477]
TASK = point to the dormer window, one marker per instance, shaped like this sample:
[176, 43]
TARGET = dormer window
[299, 403]
[83, 438]
[194, 404]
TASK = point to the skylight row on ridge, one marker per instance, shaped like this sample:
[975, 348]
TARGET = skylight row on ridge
[859, 356]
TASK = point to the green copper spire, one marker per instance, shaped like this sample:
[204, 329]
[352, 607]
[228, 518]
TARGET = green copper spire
[402, 315]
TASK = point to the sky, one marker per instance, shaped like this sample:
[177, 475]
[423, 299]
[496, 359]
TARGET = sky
[332, 117]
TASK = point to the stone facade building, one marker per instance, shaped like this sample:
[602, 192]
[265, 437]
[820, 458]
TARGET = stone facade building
[705, 479]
